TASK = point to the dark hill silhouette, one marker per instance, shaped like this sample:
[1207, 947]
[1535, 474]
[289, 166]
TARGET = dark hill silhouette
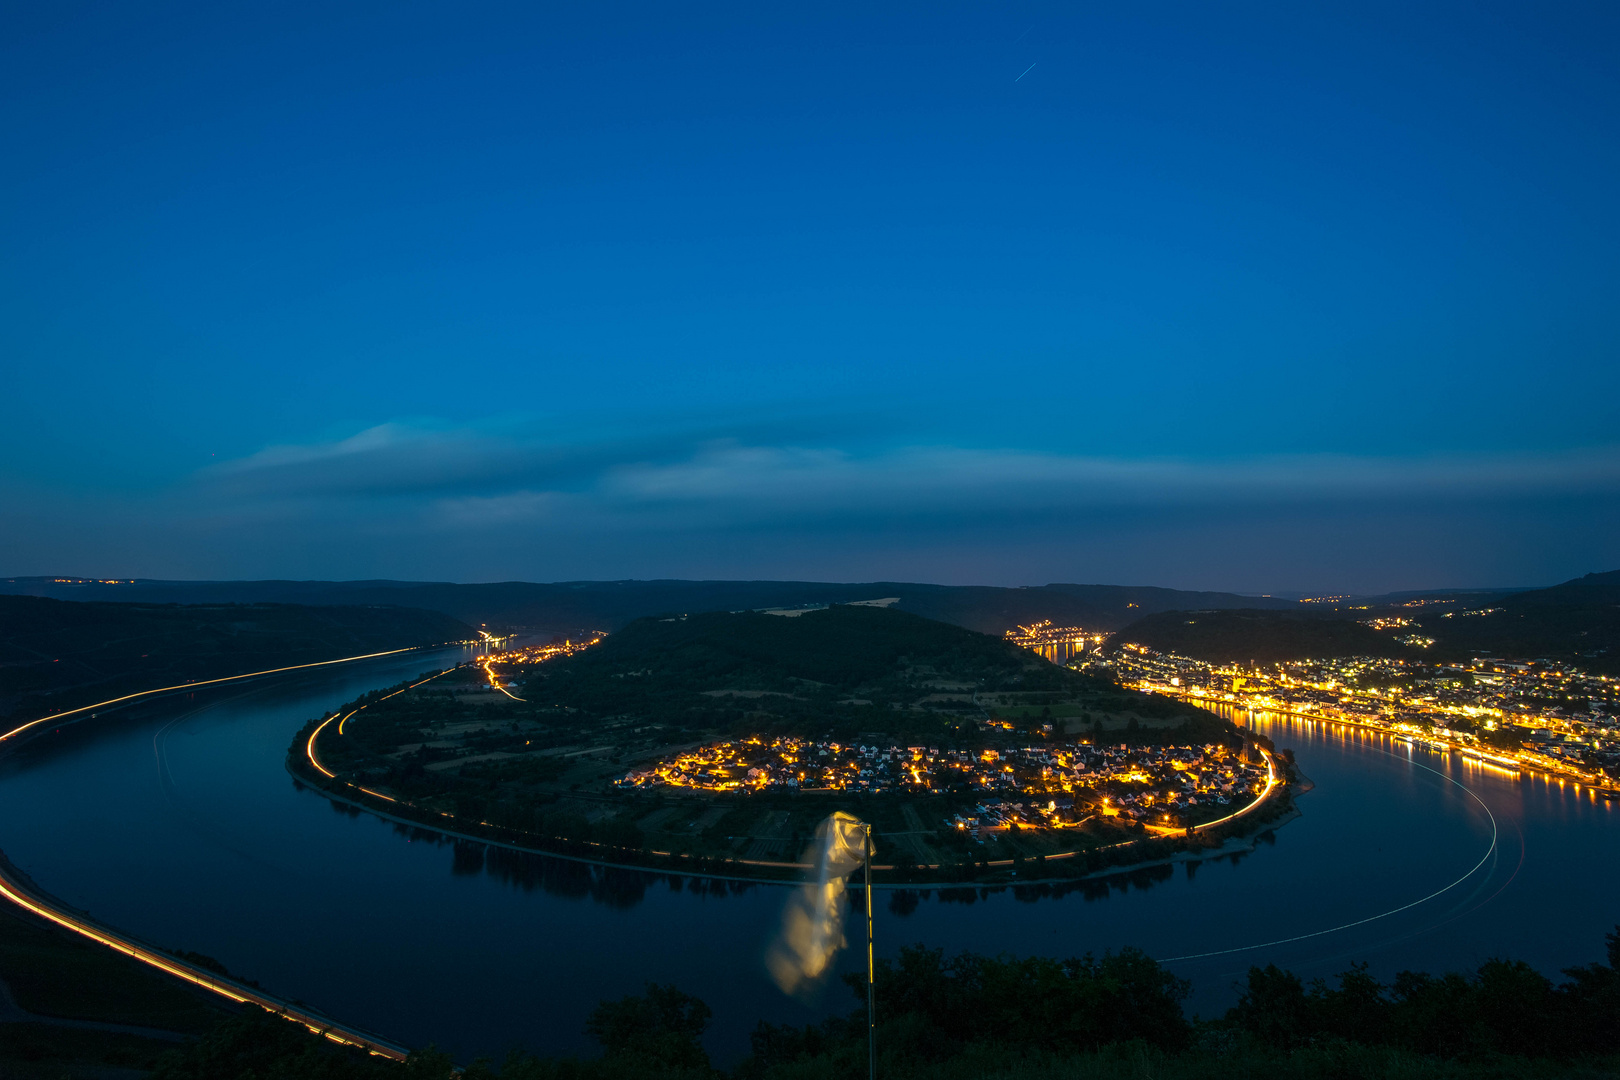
[1577, 622]
[569, 607]
[1262, 637]
[843, 649]
[56, 655]
[854, 668]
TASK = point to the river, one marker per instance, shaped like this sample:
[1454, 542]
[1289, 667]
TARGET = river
[175, 821]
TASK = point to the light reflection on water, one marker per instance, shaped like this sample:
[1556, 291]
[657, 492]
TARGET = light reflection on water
[1060, 652]
[177, 822]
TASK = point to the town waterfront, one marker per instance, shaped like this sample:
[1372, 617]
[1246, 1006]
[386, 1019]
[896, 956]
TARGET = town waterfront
[176, 821]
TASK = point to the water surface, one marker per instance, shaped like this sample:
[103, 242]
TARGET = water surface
[177, 822]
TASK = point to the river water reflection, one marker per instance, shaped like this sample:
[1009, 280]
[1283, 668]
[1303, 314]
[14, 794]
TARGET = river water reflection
[177, 822]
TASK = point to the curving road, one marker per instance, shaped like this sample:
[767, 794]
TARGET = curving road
[15, 888]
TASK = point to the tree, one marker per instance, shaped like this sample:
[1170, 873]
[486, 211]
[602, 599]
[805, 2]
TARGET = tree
[661, 1028]
[1273, 1007]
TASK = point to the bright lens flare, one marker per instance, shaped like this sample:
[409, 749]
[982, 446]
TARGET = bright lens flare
[813, 922]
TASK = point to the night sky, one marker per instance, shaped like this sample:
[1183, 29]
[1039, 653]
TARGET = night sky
[1263, 297]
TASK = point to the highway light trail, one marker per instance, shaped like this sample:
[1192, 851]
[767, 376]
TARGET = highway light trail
[194, 685]
[38, 905]
[45, 908]
[309, 748]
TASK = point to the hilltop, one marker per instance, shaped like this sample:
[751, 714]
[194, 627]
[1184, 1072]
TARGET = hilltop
[57, 655]
[841, 670]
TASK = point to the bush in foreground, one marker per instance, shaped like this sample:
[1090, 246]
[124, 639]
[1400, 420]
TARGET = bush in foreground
[973, 1017]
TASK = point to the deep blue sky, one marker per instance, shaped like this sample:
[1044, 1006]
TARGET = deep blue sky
[1240, 296]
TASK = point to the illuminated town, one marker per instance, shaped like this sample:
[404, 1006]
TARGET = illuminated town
[1053, 786]
[1528, 714]
[1058, 644]
[519, 658]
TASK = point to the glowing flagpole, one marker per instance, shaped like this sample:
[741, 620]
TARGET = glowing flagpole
[871, 994]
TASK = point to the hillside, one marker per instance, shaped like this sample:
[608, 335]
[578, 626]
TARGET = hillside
[843, 650]
[56, 654]
[844, 673]
[1577, 621]
[1257, 637]
[572, 606]
[843, 669]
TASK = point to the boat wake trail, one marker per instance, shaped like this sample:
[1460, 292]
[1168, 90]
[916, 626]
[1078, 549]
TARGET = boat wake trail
[1489, 852]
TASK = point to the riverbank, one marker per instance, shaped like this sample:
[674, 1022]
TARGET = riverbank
[1510, 764]
[1220, 838]
[18, 888]
[30, 901]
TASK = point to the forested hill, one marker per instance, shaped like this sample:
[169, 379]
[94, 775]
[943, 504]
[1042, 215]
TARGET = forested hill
[845, 648]
[842, 668]
[1259, 637]
[569, 607]
[57, 654]
[1577, 622]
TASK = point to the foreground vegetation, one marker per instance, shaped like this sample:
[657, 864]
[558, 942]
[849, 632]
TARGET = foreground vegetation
[967, 1016]
[53, 974]
[1030, 1019]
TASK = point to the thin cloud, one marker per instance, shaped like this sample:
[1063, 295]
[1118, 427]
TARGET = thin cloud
[464, 478]
[733, 484]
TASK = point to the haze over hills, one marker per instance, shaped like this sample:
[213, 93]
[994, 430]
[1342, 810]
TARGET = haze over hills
[572, 606]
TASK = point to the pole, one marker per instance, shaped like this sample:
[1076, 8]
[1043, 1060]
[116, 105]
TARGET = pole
[871, 993]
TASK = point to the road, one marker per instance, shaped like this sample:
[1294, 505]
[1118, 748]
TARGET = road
[13, 887]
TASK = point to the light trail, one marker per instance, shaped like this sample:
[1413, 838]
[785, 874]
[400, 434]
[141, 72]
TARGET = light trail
[1271, 783]
[204, 682]
[38, 904]
[28, 900]
[494, 682]
[309, 747]
[1489, 851]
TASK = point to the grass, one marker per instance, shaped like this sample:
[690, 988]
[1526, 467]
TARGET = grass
[1139, 1061]
[53, 972]
[48, 1052]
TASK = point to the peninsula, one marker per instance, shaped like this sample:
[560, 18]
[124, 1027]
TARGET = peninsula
[717, 741]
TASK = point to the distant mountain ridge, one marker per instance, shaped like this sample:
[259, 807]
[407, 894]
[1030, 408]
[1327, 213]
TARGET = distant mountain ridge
[571, 606]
